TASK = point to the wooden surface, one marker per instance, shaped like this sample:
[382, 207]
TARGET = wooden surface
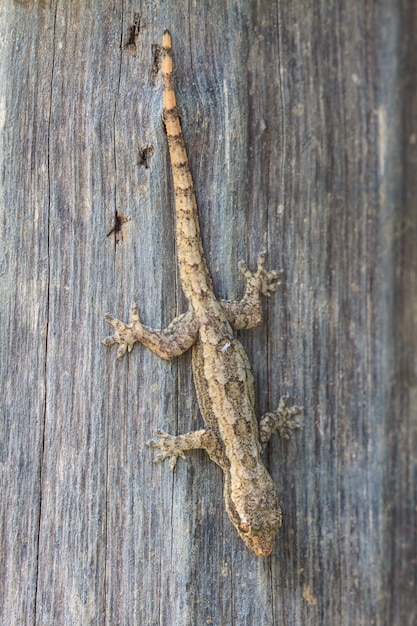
[300, 121]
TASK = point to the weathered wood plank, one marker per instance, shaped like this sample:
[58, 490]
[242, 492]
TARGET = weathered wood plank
[301, 131]
[26, 68]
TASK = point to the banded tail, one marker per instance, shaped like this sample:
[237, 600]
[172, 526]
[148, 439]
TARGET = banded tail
[195, 278]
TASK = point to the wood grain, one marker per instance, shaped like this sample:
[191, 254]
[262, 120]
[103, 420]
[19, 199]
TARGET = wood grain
[300, 123]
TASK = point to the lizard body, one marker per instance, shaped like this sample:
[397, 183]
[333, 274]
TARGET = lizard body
[222, 372]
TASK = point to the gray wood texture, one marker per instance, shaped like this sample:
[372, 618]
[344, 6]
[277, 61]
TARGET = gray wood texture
[301, 127]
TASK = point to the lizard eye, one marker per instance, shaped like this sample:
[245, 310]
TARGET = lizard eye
[244, 526]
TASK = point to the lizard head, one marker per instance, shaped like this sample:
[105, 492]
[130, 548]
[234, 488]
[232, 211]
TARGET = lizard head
[256, 514]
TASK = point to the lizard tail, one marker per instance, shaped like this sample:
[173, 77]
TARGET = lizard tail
[195, 277]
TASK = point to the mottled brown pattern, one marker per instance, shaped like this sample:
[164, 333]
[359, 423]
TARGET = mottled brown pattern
[222, 372]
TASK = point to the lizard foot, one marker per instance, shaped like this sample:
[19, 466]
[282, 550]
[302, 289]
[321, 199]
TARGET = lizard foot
[285, 414]
[281, 420]
[263, 281]
[126, 335]
[169, 447]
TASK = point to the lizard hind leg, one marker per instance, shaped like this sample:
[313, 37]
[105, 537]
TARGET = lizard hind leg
[247, 312]
[262, 281]
[126, 335]
[281, 420]
[171, 447]
[166, 343]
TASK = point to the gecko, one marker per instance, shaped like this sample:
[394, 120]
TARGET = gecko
[224, 383]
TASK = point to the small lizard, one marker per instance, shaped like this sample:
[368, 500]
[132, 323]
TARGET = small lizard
[222, 373]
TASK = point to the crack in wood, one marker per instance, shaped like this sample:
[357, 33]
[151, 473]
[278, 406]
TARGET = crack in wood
[133, 32]
[117, 232]
[145, 155]
[156, 63]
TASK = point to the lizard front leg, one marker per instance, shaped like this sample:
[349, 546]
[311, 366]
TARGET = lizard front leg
[166, 343]
[281, 420]
[172, 447]
[247, 312]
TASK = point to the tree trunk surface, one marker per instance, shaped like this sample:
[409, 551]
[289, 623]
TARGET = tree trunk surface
[301, 127]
